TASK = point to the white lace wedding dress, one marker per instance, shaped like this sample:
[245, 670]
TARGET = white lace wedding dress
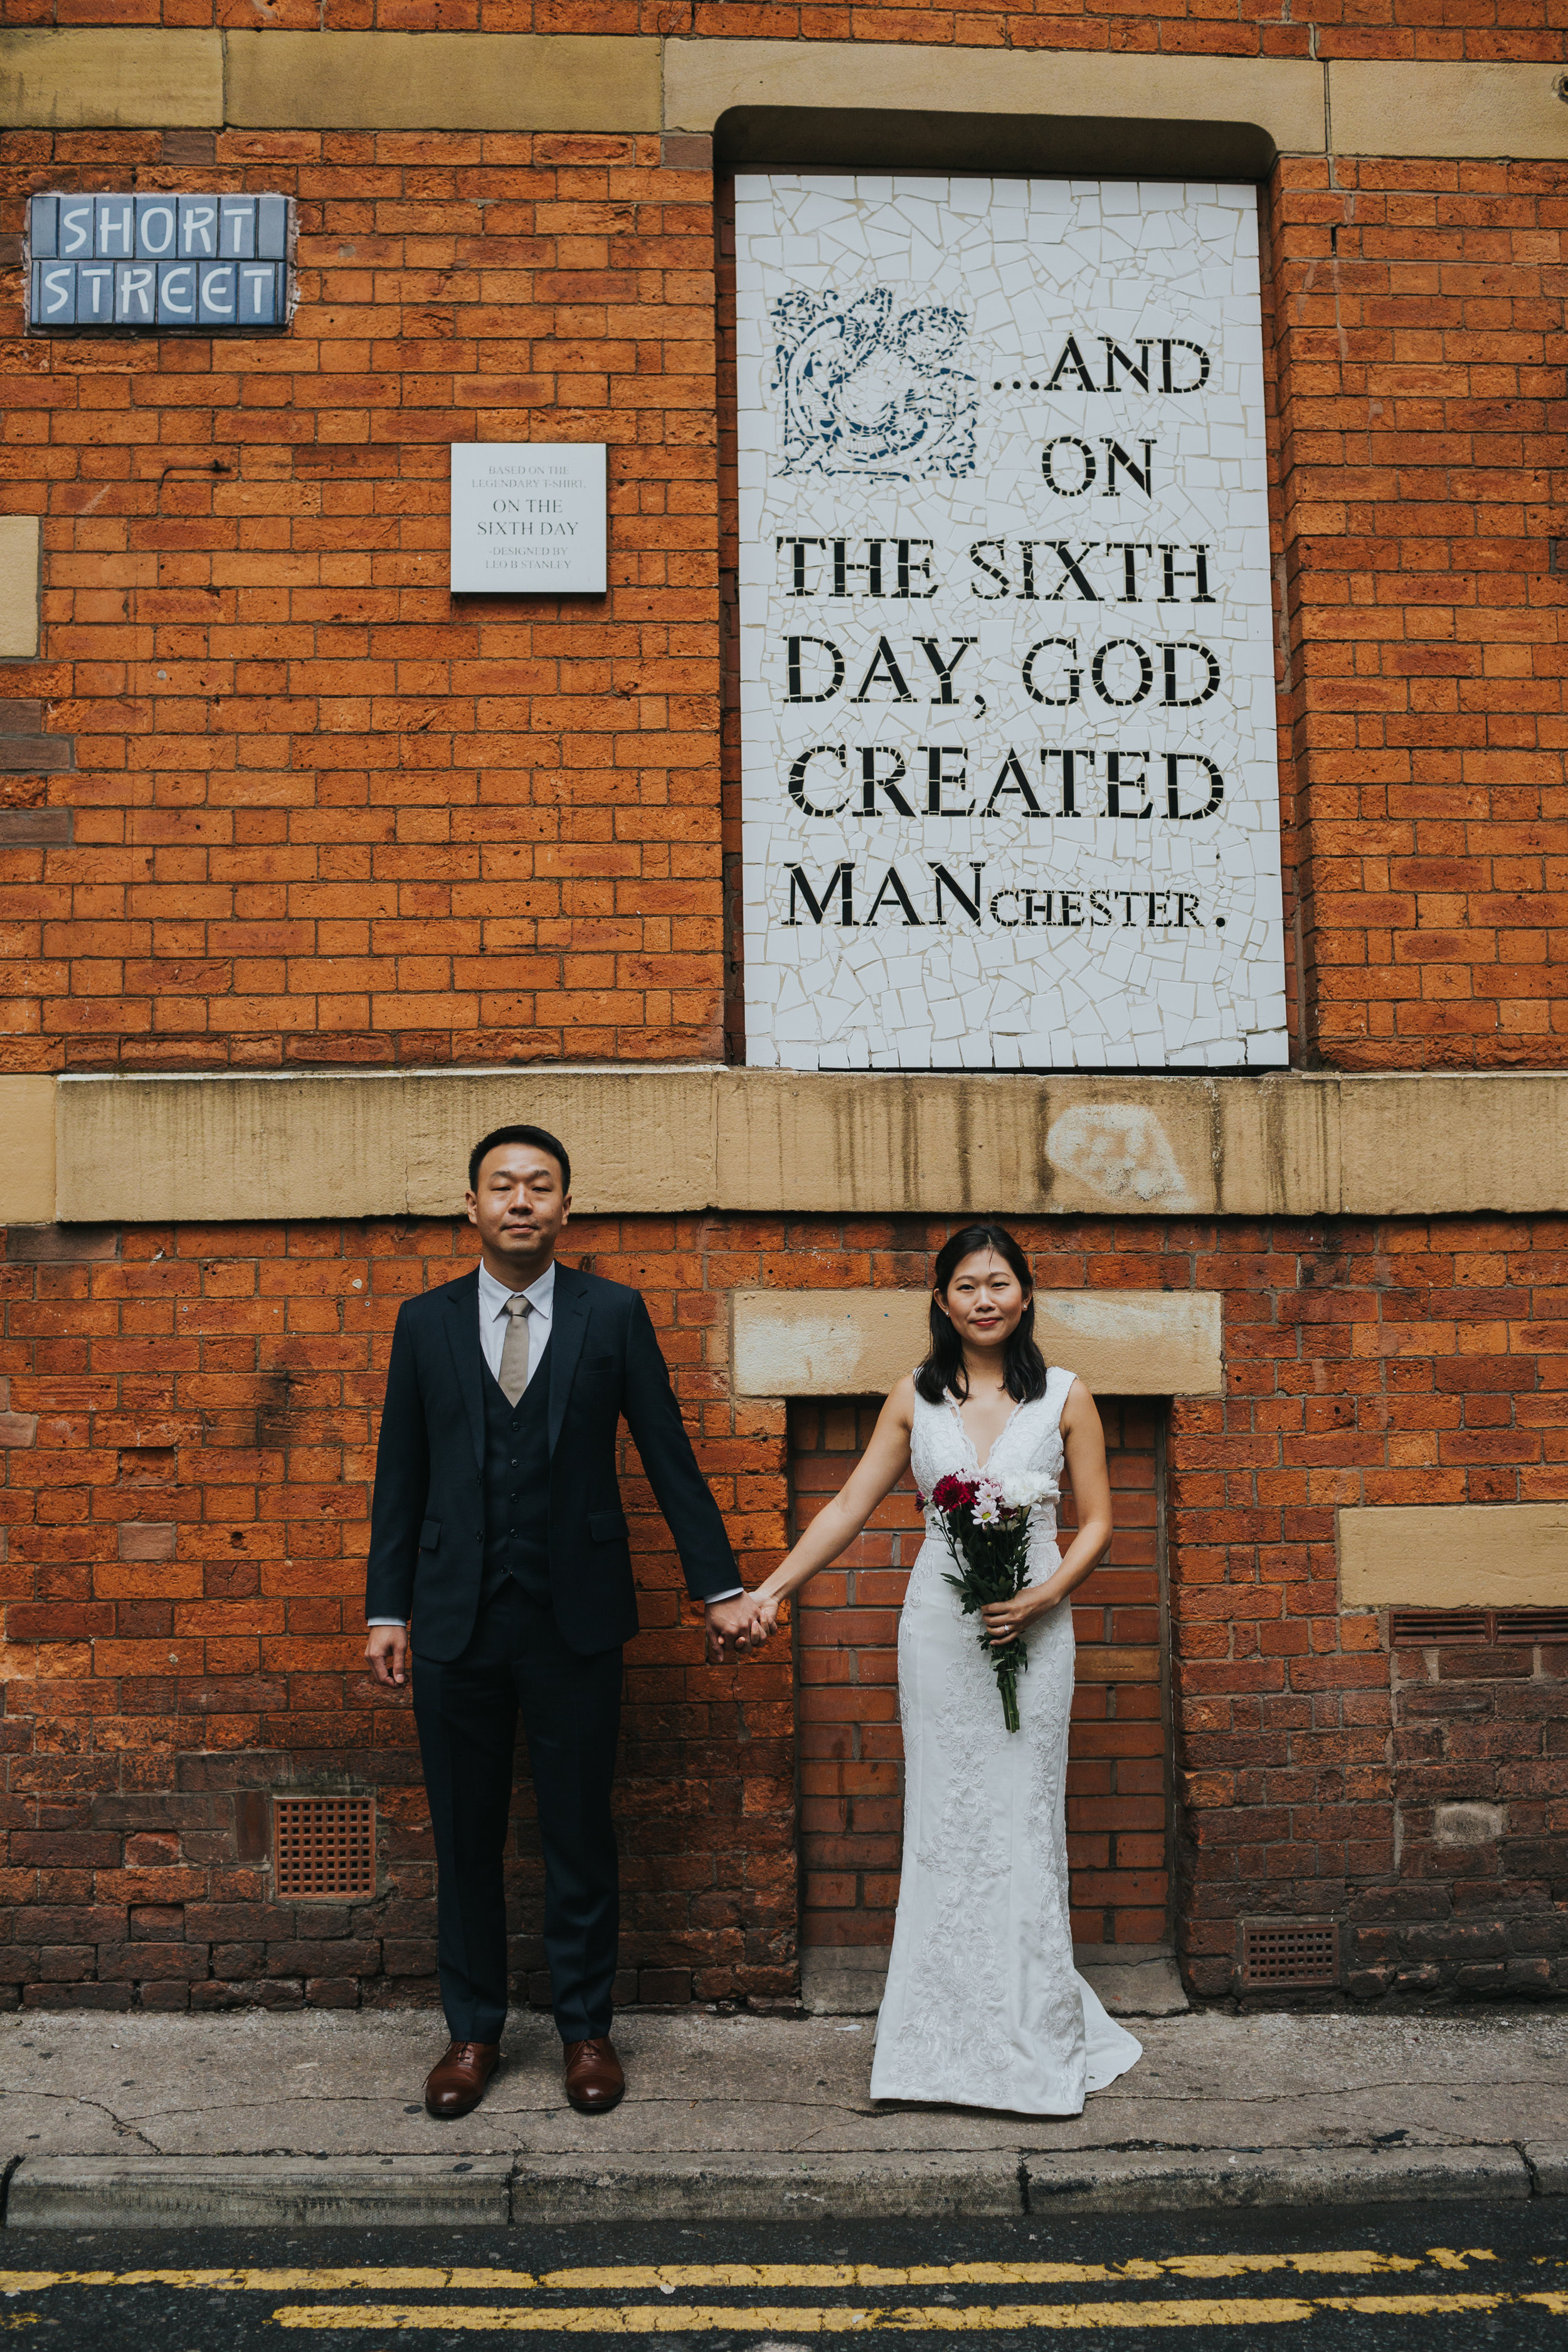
[983, 2007]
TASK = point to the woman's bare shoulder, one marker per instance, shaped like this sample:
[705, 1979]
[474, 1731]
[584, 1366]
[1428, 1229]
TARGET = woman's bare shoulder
[900, 1404]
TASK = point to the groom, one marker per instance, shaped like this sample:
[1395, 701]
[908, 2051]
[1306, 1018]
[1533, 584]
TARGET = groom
[499, 1557]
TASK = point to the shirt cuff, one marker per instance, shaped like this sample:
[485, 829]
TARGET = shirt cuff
[386, 1621]
[734, 1593]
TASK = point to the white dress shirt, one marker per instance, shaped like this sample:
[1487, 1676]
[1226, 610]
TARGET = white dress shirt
[493, 1319]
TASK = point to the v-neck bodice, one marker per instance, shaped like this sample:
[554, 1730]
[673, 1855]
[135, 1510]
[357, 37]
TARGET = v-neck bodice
[968, 1434]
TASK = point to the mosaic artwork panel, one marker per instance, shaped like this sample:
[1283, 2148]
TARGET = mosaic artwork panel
[1010, 787]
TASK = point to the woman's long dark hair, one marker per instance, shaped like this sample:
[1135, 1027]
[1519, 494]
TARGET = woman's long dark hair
[1023, 1366]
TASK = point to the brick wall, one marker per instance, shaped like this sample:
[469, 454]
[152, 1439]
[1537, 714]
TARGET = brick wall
[1418, 326]
[186, 1439]
[1317, 29]
[324, 812]
[185, 1453]
[323, 815]
[851, 1753]
[1480, 1737]
[1402, 1362]
[272, 798]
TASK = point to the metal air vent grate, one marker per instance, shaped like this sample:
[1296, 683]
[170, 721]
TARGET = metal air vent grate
[1290, 1952]
[1420, 1629]
[1532, 1626]
[323, 1846]
[1417, 1629]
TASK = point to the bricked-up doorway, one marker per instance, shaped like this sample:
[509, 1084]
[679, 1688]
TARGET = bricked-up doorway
[851, 1752]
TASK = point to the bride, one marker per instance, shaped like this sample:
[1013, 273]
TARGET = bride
[983, 2007]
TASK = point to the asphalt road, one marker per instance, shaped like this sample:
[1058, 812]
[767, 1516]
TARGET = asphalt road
[1431, 2278]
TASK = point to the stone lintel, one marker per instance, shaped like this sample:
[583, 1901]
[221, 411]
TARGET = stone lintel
[442, 81]
[1070, 109]
[1453, 1556]
[860, 1342]
[1399, 107]
[704, 80]
[675, 1140]
[110, 77]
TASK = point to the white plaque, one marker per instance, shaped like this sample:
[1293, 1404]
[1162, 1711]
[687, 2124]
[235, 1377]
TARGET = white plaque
[528, 518]
[1010, 793]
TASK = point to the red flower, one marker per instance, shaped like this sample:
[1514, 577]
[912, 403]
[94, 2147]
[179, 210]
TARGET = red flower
[953, 1494]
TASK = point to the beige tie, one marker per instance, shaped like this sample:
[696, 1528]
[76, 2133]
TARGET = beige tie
[512, 1378]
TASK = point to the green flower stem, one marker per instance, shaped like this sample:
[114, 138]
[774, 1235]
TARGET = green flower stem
[999, 1573]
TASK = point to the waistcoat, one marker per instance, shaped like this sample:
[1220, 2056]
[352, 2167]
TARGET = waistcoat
[517, 1486]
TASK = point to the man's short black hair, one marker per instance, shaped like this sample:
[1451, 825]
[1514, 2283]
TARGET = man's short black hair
[542, 1141]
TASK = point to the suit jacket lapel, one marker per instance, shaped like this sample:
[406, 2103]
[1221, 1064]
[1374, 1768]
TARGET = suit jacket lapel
[463, 1339]
[568, 1325]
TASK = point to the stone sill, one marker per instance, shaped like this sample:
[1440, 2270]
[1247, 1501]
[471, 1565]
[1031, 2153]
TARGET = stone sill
[1131, 1979]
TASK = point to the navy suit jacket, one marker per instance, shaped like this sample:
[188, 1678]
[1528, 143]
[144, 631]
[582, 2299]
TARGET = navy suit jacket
[427, 1519]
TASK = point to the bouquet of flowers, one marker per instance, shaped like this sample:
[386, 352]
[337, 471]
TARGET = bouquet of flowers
[986, 1522]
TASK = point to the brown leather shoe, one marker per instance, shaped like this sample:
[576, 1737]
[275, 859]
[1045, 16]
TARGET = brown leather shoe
[455, 2085]
[595, 2082]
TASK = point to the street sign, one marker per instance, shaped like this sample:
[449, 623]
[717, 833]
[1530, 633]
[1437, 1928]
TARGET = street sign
[218, 262]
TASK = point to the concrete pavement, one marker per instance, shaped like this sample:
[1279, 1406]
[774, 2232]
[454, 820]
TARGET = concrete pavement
[317, 2117]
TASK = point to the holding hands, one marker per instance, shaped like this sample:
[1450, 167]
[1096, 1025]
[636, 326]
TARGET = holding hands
[737, 1627]
[741, 1625]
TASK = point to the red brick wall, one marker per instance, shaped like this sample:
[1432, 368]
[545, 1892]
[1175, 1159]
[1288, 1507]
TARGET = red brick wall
[1316, 28]
[323, 812]
[851, 1753]
[1416, 314]
[184, 1455]
[320, 813]
[1402, 1362]
[323, 815]
[1480, 1737]
[187, 1440]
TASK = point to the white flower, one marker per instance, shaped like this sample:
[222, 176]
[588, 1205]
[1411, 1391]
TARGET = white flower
[990, 1503]
[1026, 1488]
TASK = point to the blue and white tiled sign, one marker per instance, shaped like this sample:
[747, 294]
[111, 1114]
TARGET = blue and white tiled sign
[1010, 790]
[159, 261]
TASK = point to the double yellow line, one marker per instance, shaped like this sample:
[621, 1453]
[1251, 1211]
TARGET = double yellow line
[673, 2315]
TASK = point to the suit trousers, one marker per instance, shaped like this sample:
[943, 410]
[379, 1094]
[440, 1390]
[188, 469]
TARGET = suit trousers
[467, 1711]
